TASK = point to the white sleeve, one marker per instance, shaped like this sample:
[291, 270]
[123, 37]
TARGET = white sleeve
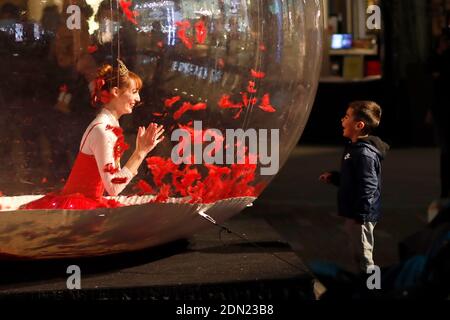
[101, 143]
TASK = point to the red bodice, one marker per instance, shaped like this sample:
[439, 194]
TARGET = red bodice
[83, 190]
[84, 178]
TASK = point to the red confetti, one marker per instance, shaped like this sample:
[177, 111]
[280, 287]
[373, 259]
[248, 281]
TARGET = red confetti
[266, 106]
[157, 114]
[160, 44]
[131, 15]
[238, 114]
[257, 74]
[109, 168]
[44, 180]
[118, 131]
[181, 33]
[186, 107]
[169, 102]
[220, 63]
[219, 182]
[92, 49]
[251, 87]
[163, 194]
[244, 98]
[246, 101]
[225, 103]
[262, 47]
[144, 188]
[159, 168]
[120, 146]
[188, 178]
[200, 31]
[119, 180]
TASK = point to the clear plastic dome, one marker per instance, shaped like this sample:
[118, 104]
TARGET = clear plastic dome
[209, 68]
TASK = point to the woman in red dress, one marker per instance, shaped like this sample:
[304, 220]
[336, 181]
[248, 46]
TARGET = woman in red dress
[97, 166]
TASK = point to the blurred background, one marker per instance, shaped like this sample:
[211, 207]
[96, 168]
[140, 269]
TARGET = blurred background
[397, 64]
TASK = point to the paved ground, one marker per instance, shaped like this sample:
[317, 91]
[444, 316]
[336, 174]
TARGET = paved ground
[304, 210]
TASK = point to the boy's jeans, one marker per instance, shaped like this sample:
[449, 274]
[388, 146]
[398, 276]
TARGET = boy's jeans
[361, 242]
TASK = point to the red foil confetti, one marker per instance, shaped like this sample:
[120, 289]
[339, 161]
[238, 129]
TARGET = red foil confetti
[120, 146]
[131, 15]
[164, 193]
[251, 87]
[265, 104]
[119, 180]
[238, 114]
[109, 168]
[226, 103]
[247, 101]
[169, 102]
[181, 33]
[186, 107]
[92, 49]
[143, 188]
[257, 74]
[219, 182]
[200, 32]
[160, 168]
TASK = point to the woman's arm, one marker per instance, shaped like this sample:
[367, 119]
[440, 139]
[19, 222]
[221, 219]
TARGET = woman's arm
[102, 143]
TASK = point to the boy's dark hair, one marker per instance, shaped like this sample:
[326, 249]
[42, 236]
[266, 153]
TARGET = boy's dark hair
[368, 112]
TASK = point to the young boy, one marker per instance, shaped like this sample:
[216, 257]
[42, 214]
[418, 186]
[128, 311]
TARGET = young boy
[359, 181]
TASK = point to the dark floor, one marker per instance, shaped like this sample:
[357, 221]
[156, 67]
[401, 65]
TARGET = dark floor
[292, 224]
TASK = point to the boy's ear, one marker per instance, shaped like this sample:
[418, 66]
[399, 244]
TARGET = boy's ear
[360, 125]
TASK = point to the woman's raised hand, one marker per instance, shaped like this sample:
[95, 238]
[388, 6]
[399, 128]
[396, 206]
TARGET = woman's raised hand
[148, 138]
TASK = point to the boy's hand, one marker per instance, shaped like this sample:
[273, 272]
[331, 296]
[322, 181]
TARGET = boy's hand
[325, 177]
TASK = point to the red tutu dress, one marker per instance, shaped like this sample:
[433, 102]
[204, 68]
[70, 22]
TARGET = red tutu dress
[85, 186]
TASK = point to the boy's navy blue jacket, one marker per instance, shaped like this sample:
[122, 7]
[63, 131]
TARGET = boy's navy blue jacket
[359, 195]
